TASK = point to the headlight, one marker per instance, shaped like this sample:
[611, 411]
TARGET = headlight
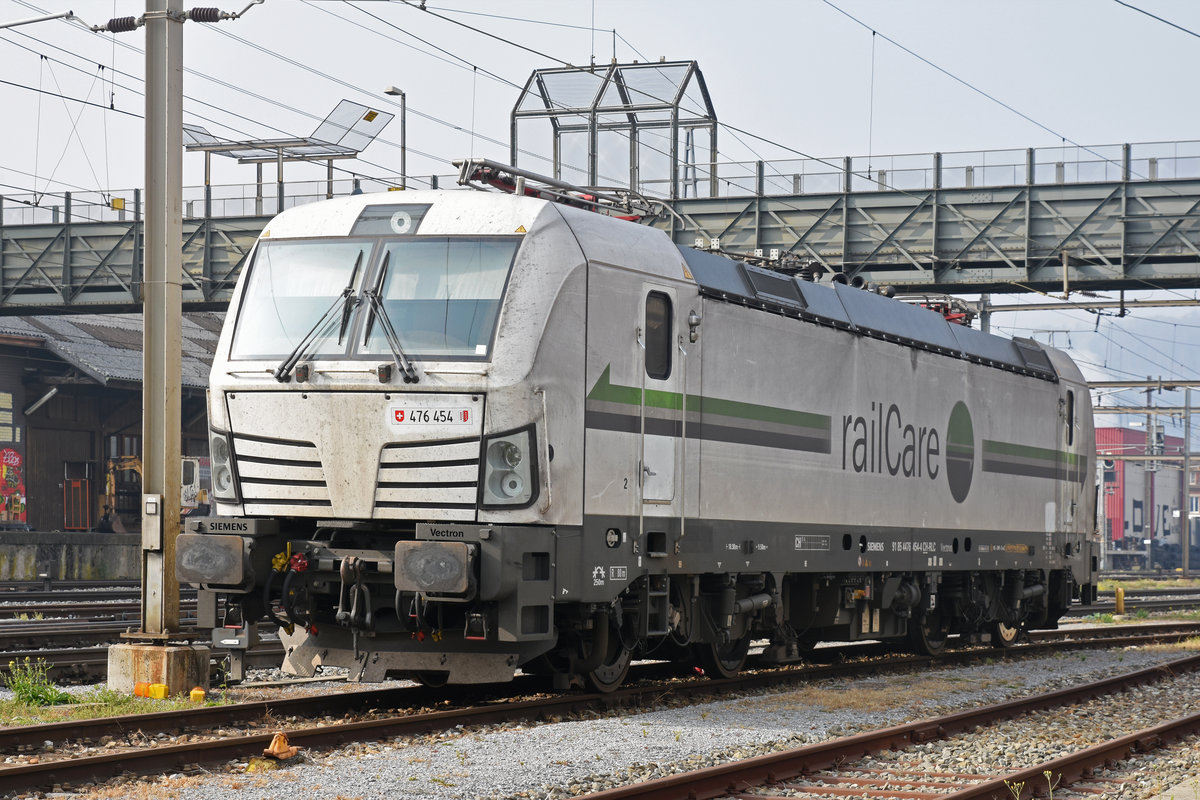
[509, 470]
[224, 480]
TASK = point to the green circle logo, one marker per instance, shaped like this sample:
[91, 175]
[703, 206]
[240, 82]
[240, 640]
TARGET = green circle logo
[960, 452]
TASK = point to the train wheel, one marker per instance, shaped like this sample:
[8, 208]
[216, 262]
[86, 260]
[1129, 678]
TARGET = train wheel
[927, 634]
[721, 661]
[432, 679]
[1004, 635]
[607, 677]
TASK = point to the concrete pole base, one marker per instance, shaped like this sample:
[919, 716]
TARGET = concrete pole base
[180, 667]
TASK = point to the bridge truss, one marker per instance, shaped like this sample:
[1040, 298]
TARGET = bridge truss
[1123, 219]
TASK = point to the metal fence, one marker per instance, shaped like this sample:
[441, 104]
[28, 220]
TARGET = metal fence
[225, 200]
[1148, 161]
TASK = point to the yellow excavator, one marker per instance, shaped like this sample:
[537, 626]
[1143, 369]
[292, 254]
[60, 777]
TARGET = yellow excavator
[192, 495]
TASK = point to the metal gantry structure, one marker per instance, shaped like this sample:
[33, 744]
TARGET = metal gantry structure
[1050, 220]
[1093, 223]
[1060, 219]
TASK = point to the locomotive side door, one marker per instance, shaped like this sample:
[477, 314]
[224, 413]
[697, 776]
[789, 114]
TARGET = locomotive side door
[661, 396]
[1070, 481]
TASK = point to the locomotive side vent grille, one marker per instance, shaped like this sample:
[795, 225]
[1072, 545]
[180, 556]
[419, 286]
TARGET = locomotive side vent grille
[279, 472]
[417, 476]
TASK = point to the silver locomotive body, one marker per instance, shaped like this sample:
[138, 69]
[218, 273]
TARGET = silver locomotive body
[524, 435]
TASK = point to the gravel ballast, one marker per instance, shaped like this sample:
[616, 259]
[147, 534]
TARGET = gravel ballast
[561, 759]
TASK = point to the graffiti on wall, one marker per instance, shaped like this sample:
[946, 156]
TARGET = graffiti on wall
[12, 486]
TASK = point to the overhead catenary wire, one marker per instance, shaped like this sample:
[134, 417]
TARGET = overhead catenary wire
[509, 41]
[1113, 324]
[273, 101]
[300, 65]
[1155, 16]
[726, 126]
[1148, 283]
[269, 100]
[592, 28]
[234, 114]
[526, 48]
[74, 132]
[738, 130]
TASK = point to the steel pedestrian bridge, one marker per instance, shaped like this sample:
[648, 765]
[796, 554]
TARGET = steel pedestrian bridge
[1114, 217]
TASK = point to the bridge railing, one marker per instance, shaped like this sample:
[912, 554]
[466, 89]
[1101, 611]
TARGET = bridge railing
[1147, 161]
[223, 200]
[970, 169]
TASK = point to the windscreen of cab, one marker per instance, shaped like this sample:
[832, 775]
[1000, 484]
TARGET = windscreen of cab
[441, 293]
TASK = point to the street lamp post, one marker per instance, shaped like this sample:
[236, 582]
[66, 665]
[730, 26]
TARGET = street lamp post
[393, 91]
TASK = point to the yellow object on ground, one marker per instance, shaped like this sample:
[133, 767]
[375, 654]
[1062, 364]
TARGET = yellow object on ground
[280, 749]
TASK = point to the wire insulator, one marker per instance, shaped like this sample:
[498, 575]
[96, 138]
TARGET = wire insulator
[205, 15]
[122, 24]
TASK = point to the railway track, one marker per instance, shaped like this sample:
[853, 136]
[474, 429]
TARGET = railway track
[47, 585]
[38, 634]
[115, 607]
[836, 768]
[90, 664]
[125, 604]
[476, 709]
[78, 653]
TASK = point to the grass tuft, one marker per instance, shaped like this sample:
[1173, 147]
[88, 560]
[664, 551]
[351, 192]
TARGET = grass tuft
[31, 686]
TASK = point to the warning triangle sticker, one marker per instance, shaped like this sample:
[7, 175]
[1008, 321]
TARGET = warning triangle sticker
[521, 229]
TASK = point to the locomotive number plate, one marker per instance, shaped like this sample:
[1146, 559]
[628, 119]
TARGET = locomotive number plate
[426, 415]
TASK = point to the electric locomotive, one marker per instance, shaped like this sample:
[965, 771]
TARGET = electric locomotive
[457, 434]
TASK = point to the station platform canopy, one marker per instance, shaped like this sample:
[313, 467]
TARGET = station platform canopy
[648, 127]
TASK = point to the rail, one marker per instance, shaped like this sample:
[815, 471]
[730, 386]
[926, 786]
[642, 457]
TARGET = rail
[487, 710]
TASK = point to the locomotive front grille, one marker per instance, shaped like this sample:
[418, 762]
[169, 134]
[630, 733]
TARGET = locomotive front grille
[293, 460]
[417, 476]
[279, 472]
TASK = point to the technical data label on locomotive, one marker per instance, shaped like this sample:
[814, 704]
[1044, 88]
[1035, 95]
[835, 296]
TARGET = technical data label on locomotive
[431, 415]
[808, 542]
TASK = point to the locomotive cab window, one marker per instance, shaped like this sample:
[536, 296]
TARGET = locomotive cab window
[658, 336]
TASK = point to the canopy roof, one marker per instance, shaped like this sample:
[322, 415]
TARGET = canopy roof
[345, 133]
[637, 94]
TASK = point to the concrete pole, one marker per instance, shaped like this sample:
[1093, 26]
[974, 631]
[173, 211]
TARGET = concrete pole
[163, 311]
[1185, 538]
[1149, 472]
[404, 142]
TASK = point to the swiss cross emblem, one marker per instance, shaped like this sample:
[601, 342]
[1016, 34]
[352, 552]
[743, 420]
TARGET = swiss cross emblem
[399, 415]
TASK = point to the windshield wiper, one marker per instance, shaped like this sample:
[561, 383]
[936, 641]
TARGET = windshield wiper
[403, 362]
[283, 372]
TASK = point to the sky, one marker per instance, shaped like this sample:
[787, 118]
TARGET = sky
[814, 77]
